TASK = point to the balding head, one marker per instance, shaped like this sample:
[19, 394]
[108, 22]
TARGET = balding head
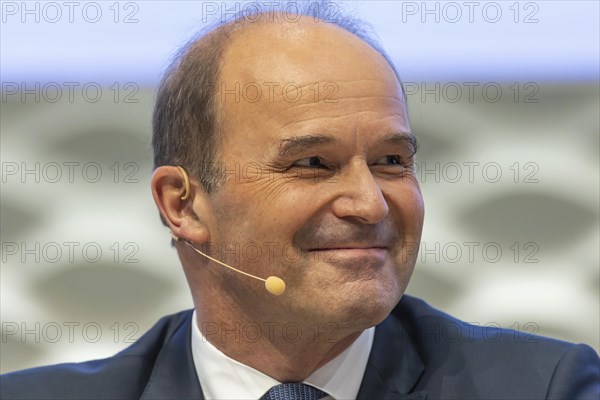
[306, 50]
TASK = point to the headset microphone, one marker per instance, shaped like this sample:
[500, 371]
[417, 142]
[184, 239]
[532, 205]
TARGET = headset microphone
[273, 284]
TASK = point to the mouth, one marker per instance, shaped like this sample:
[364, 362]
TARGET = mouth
[351, 255]
[349, 247]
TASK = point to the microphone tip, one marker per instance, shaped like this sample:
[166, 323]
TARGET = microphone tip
[275, 285]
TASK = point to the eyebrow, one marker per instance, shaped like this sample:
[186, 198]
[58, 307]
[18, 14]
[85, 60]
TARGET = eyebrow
[297, 144]
[401, 137]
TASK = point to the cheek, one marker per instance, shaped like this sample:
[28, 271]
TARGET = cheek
[408, 213]
[265, 208]
[406, 204]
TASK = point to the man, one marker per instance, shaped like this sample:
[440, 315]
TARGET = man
[283, 149]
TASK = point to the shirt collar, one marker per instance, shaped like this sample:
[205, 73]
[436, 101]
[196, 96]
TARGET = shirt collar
[222, 377]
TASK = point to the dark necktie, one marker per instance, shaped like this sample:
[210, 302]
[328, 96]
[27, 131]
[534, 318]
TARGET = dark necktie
[293, 391]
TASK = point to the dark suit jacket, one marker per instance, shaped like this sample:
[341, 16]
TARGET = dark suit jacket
[418, 353]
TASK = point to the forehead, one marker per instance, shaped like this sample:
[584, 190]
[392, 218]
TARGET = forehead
[307, 50]
[284, 74]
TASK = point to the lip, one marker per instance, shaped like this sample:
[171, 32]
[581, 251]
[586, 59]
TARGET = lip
[352, 252]
[349, 246]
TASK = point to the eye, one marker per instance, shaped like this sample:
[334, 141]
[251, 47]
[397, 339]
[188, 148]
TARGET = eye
[389, 160]
[310, 162]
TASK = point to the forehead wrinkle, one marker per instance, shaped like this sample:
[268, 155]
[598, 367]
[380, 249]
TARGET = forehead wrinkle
[337, 81]
[344, 99]
[333, 117]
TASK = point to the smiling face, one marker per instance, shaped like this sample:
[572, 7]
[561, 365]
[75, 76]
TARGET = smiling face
[320, 189]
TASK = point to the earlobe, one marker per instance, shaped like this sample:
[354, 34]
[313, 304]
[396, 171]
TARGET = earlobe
[180, 203]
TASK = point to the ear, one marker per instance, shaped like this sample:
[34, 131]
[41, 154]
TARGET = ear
[186, 218]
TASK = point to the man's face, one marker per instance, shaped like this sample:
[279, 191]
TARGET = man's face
[320, 189]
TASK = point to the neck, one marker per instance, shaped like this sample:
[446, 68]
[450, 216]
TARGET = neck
[288, 351]
[277, 351]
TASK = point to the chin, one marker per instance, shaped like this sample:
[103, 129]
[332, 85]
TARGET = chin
[365, 305]
[353, 298]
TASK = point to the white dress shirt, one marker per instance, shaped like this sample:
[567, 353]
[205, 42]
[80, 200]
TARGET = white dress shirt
[222, 377]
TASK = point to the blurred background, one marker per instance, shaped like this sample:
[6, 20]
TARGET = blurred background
[503, 98]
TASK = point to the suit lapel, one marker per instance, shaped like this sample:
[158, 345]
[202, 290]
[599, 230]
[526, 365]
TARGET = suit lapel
[394, 366]
[174, 375]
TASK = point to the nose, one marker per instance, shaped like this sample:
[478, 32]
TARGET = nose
[359, 195]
